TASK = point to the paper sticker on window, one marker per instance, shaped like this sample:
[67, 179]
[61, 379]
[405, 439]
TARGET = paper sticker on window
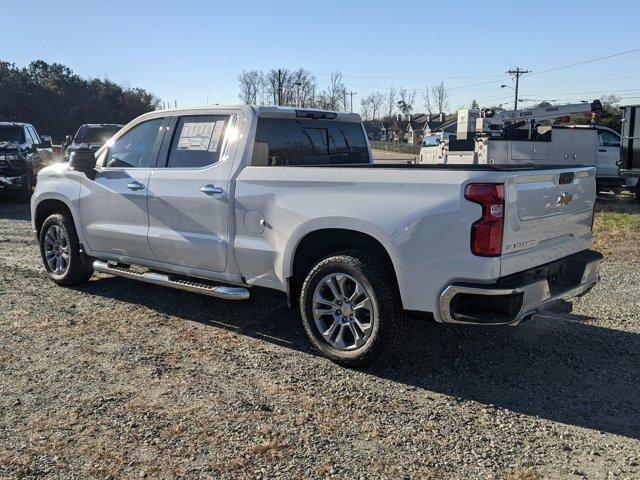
[198, 136]
[215, 137]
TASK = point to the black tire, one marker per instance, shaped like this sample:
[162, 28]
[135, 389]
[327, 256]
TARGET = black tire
[79, 266]
[27, 189]
[374, 275]
[637, 193]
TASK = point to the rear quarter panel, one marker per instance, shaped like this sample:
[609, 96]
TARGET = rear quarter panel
[419, 216]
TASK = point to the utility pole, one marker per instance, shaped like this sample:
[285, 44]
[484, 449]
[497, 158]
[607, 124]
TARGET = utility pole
[516, 73]
[279, 87]
[351, 94]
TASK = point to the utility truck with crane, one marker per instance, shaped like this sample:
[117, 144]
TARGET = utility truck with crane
[523, 137]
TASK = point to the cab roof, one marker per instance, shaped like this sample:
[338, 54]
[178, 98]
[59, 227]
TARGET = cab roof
[266, 111]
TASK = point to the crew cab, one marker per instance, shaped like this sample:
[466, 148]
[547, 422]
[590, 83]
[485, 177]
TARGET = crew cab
[221, 200]
[22, 154]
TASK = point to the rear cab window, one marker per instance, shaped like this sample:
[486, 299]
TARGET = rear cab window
[288, 142]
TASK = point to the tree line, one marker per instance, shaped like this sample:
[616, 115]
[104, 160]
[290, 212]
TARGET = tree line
[57, 101]
[295, 88]
[299, 88]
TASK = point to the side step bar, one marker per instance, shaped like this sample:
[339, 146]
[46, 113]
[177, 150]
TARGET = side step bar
[156, 278]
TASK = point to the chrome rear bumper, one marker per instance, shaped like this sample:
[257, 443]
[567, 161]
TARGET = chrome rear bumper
[517, 297]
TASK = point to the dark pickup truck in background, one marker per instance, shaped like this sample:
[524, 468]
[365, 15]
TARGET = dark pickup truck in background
[90, 136]
[23, 153]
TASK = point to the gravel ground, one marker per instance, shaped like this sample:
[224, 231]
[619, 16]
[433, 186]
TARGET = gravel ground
[118, 379]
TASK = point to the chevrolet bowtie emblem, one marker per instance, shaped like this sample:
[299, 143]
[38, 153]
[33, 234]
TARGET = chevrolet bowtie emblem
[564, 199]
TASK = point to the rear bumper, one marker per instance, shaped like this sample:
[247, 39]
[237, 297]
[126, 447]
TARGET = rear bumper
[516, 297]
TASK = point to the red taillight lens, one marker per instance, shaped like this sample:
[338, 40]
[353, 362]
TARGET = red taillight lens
[486, 233]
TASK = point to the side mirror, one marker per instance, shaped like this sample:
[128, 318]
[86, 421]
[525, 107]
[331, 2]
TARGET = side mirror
[68, 139]
[83, 161]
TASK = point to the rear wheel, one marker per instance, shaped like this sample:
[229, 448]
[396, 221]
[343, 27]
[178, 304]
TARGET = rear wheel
[351, 310]
[62, 257]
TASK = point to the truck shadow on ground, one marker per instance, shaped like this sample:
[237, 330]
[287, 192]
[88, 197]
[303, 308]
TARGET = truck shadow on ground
[558, 367]
[12, 210]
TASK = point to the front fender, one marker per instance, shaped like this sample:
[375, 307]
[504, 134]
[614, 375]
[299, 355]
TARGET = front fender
[62, 186]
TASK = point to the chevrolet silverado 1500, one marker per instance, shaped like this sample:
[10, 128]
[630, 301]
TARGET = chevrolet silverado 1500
[221, 200]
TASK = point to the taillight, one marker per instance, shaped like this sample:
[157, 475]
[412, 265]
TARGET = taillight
[486, 233]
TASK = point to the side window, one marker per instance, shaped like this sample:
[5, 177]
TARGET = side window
[197, 141]
[135, 148]
[27, 136]
[308, 142]
[34, 135]
[608, 139]
[79, 137]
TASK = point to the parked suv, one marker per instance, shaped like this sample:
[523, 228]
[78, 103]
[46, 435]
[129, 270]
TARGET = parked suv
[91, 136]
[22, 154]
[220, 200]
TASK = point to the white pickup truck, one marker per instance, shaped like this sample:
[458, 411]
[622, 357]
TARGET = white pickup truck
[220, 200]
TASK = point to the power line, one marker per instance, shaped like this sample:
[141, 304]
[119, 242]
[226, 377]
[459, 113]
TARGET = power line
[439, 77]
[586, 61]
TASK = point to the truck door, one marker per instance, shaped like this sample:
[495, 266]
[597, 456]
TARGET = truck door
[608, 153]
[113, 206]
[189, 192]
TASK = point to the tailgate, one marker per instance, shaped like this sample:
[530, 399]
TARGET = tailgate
[549, 215]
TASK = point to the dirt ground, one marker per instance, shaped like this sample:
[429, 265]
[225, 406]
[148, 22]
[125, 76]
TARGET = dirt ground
[118, 379]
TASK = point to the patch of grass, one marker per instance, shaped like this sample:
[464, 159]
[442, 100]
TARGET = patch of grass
[396, 147]
[617, 228]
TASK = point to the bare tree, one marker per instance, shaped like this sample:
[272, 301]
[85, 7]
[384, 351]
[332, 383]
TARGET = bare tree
[251, 86]
[440, 96]
[334, 96]
[391, 101]
[304, 85]
[372, 104]
[274, 80]
[405, 104]
[365, 108]
[427, 101]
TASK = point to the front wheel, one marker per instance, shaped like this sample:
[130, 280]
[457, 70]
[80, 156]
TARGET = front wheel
[63, 259]
[351, 309]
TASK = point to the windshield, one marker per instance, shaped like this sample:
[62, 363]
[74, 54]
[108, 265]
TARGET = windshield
[10, 133]
[96, 134]
[431, 140]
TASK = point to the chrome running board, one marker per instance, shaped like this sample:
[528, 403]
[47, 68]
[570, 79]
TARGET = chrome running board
[191, 285]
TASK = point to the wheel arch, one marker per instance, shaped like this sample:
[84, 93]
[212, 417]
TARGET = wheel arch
[50, 206]
[318, 243]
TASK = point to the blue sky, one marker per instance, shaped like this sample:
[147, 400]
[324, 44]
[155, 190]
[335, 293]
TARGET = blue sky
[192, 51]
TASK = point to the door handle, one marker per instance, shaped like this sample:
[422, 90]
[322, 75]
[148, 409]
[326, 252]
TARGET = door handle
[135, 186]
[211, 189]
